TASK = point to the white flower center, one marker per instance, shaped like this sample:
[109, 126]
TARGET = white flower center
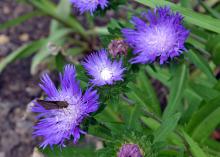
[106, 74]
[160, 40]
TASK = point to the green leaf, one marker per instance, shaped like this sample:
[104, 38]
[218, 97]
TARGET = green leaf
[21, 52]
[137, 96]
[204, 91]
[167, 127]
[134, 118]
[194, 147]
[210, 121]
[210, 10]
[19, 20]
[198, 19]
[151, 123]
[193, 101]
[213, 144]
[160, 74]
[74, 51]
[178, 84]
[70, 152]
[146, 87]
[213, 46]
[154, 126]
[212, 42]
[101, 131]
[58, 36]
[185, 3]
[206, 112]
[49, 8]
[64, 9]
[201, 64]
[60, 62]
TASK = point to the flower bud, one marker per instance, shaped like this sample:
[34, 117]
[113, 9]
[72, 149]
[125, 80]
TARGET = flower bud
[129, 150]
[118, 47]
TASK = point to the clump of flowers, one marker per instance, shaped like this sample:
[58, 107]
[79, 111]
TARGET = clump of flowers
[117, 113]
[162, 38]
[118, 47]
[102, 70]
[57, 125]
[131, 150]
[89, 5]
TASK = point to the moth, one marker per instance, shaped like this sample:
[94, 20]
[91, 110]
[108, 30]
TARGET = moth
[51, 105]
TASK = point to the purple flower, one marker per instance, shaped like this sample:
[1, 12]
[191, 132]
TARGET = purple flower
[57, 125]
[131, 150]
[162, 38]
[89, 5]
[102, 69]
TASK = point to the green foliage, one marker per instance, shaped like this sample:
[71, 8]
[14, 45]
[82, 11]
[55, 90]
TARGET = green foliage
[178, 84]
[130, 137]
[167, 126]
[19, 20]
[21, 52]
[70, 152]
[195, 149]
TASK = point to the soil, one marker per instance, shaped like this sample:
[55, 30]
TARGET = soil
[17, 86]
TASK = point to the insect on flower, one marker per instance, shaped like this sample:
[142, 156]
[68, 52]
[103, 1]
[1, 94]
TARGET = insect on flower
[50, 105]
[62, 112]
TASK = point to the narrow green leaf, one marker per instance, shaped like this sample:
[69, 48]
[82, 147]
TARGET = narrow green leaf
[146, 87]
[178, 84]
[167, 127]
[207, 126]
[138, 97]
[74, 51]
[151, 123]
[154, 125]
[134, 117]
[21, 52]
[201, 64]
[213, 144]
[210, 10]
[60, 62]
[194, 147]
[64, 9]
[49, 8]
[204, 91]
[19, 20]
[100, 130]
[212, 42]
[198, 19]
[44, 52]
[198, 45]
[193, 101]
[70, 152]
[186, 3]
[200, 116]
[160, 74]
